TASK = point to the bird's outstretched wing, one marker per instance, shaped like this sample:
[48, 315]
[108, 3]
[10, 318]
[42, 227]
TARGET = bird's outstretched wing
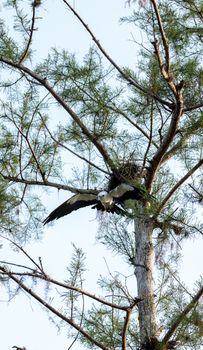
[124, 192]
[76, 202]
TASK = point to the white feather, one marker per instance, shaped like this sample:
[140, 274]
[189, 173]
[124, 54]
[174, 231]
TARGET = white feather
[81, 197]
[120, 190]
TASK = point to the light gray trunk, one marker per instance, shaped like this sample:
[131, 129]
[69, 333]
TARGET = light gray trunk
[145, 283]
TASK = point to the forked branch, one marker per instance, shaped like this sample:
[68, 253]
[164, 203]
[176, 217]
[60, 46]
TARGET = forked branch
[178, 184]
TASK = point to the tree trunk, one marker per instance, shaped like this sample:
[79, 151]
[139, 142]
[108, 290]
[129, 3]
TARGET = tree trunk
[145, 284]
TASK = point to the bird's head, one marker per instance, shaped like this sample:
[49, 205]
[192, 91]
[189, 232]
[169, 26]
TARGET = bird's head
[105, 198]
[102, 195]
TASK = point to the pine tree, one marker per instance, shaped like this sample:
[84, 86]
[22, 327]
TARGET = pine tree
[142, 127]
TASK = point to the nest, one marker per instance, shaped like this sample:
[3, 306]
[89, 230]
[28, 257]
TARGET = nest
[128, 172]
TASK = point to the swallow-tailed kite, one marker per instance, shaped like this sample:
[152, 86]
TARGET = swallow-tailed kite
[104, 201]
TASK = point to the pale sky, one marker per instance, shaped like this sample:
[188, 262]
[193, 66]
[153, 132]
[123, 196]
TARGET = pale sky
[23, 322]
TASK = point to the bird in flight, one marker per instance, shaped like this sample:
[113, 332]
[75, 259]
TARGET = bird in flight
[103, 201]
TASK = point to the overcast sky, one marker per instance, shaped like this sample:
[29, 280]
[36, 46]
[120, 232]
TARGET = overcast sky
[23, 322]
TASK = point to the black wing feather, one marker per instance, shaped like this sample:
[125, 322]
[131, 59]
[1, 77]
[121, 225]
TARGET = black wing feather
[137, 194]
[114, 209]
[68, 206]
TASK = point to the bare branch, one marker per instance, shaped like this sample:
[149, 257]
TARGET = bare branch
[125, 329]
[167, 140]
[178, 106]
[200, 195]
[163, 35]
[47, 183]
[90, 295]
[23, 56]
[46, 278]
[150, 137]
[192, 108]
[178, 184]
[24, 252]
[17, 265]
[43, 276]
[52, 309]
[185, 135]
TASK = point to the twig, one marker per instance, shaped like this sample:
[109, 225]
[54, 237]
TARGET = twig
[167, 140]
[179, 282]
[17, 265]
[192, 108]
[46, 278]
[150, 136]
[178, 184]
[71, 151]
[24, 252]
[30, 37]
[198, 193]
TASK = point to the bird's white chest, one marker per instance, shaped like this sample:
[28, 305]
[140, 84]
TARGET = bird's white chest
[106, 200]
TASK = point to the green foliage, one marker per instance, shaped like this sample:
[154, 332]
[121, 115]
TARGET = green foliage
[189, 333]
[126, 118]
[107, 325]
[104, 325]
[73, 302]
[84, 87]
[8, 46]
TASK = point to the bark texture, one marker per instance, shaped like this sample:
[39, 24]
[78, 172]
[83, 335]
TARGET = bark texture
[145, 284]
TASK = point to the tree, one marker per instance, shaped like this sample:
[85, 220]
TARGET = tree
[142, 127]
